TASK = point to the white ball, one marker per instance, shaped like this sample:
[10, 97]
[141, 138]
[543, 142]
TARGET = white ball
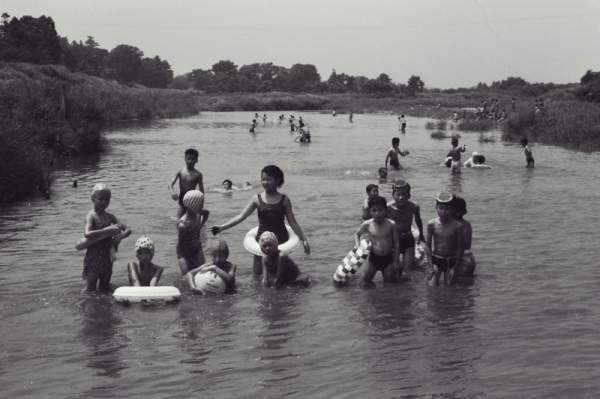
[210, 282]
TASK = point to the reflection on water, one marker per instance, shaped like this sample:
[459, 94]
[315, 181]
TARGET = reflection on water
[526, 326]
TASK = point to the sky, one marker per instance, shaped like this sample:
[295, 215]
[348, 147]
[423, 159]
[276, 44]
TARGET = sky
[448, 43]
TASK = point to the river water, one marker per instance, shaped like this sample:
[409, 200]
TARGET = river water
[526, 326]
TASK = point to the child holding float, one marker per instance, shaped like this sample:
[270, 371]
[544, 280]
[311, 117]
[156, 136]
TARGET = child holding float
[225, 270]
[189, 248]
[103, 233]
[272, 208]
[144, 273]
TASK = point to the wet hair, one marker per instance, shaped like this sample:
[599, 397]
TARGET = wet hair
[191, 151]
[275, 172]
[227, 181]
[460, 206]
[524, 141]
[480, 159]
[371, 187]
[454, 141]
[395, 140]
[377, 201]
[402, 116]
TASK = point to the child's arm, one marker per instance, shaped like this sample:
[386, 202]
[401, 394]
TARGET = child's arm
[191, 275]
[204, 217]
[236, 219]
[134, 281]
[174, 195]
[428, 249]
[397, 269]
[281, 259]
[289, 214]
[363, 227]
[200, 183]
[90, 234]
[227, 277]
[419, 222]
[452, 275]
[157, 274]
[463, 148]
[387, 158]
[265, 271]
[124, 232]
[403, 153]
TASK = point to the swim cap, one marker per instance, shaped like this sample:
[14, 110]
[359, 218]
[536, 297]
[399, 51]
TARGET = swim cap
[193, 200]
[267, 236]
[475, 153]
[100, 188]
[144, 242]
[444, 197]
[220, 247]
[400, 185]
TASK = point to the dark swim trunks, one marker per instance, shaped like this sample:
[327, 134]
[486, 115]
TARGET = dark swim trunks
[381, 261]
[395, 163]
[404, 126]
[406, 241]
[181, 195]
[444, 263]
[530, 161]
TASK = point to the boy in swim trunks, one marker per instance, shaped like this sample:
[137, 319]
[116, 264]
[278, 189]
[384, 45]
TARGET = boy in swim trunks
[189, 178]
[468, 264]
[446, 234]
[372, 192]
[402, 211]
[144, 273]
[455, 154]
[384, 240]
[393, 153]
[278, 263]
[528, 153]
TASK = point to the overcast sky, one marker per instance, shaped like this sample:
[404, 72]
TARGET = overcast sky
[447, 43]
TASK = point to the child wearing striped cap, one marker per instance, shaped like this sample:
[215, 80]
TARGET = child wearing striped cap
[189, 248]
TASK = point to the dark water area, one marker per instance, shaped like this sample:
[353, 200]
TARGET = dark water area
[526, 326]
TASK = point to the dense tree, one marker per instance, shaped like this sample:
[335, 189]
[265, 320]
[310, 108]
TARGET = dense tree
[225, 67]
[415, 84]
[87, 58]
[126, 62]
[302, 75]
[385, 78]
[29, 39]
[156, 73]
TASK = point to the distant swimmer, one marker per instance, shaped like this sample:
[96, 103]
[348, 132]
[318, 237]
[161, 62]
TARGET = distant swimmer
[227, 184]
[256, 115]
[402, 122]
[293, 126]
[228, 187]
[476, 161]
[264, 118]
[350, 117]
[528, 153]
[468, 264]
[455, 154]
[392, 154]
[254, 125]
[334, 112]
[445, 242]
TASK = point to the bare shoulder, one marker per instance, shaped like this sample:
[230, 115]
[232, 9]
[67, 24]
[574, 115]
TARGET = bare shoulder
[433, 222]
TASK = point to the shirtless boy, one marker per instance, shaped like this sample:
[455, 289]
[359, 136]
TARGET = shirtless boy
[372, 192]
[455, 154]
[393, 153]
[528, 153]
[401, 211]
[189, 178]
[384, 240]
[446, 234]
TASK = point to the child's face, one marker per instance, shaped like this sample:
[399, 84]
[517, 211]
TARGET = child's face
[378, 212]
[374, 192]
[269, 183]
[144, 255]
[401, 197]
[268, 247]
[190, 160]
[227, 185]
[218, 258]
[444, 211]
[101, 201]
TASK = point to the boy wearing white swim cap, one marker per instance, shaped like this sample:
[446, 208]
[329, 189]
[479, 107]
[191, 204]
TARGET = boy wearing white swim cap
[446, 235]
[144, 273]
[219, 252]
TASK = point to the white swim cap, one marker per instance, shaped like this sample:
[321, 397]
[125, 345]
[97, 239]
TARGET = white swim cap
[144, 242]
[193, 200]
[100, 188]
[267, 236]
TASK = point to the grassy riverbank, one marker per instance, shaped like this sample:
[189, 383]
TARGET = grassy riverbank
[34, 128]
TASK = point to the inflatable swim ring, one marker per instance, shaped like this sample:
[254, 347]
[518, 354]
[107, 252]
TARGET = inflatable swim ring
[146, 294]
[210, 283]
[352, 262]
[287, 247]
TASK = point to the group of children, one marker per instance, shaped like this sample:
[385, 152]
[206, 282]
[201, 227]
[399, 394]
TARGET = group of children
[389, 227]
[103, 233]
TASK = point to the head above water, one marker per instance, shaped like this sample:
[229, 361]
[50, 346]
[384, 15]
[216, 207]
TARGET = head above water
[370, 187]
[454, 141]
[524, 141]
[275, 172]
[383, 172]
[144, 242]
[191, 151]
[227, 184]
[377, 201]
[460, 207]
[194, 200]
[219, 247]
[444, 198]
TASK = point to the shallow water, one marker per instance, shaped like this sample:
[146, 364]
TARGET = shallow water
[526, 326]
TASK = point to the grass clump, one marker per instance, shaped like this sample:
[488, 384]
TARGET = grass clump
[439, 135]
[455, 136]
[476, 125]
[430, 125]
[487, 139]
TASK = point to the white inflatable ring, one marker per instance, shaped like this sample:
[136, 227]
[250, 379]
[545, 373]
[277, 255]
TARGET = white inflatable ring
[146, 294]
[287, 247]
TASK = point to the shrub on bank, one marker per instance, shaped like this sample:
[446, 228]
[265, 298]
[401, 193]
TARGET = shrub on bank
[474, 125]
[439, 135]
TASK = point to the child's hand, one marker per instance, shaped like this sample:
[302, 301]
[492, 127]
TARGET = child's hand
[175, 196]
[210, 268]
[216, 230]
[452, 276]
[421, 238]
[114, 229]
[306, 247]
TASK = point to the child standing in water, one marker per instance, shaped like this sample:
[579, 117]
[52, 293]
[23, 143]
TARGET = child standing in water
[393, 153]
[98, 263]
[372, 192]
[189, 248]
[402, 211]
[273, 208]
[455, 154]
[402, 122]
[278, 263]
[188, 177]
[219, 252]
[446, 235]
[145, 273]
[467, 267]
[385, 252]
[528, 153]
